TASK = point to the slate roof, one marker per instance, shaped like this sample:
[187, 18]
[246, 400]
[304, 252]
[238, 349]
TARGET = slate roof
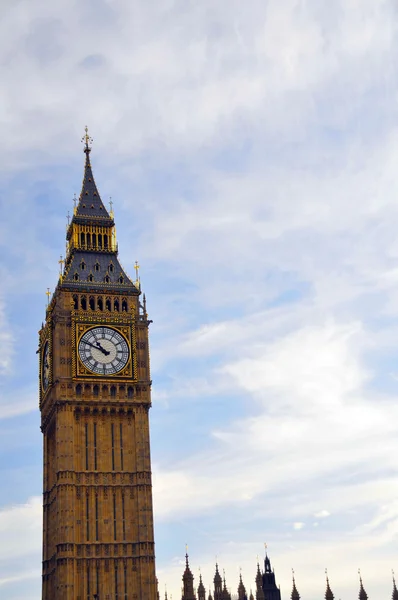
[104, 261]
[90, 203]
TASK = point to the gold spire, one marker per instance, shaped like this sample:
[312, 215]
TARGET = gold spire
[48, 294]
[137, 282]
[60, 262]
[87, 140]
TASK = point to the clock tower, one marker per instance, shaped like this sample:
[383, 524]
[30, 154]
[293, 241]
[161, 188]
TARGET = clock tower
[98, 539]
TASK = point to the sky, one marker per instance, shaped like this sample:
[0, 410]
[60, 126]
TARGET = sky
[251, 151]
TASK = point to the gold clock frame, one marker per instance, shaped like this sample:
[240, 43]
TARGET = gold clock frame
[45, 338]
[123, 323]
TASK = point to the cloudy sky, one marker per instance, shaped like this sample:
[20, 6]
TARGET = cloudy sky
[251, 151]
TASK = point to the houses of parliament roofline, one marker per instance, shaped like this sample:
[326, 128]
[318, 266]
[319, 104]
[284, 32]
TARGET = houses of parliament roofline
[264, 588]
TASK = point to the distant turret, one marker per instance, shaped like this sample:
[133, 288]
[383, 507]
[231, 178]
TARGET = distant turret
[188, 592]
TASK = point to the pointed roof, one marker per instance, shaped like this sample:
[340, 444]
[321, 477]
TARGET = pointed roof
[201, 588]
[187, 572]
[267, 564]
[295, 595]
[217, 576]
[394, 588]
[90, 203]
[362, 593]
[241, 588]
[258, 574]
[328, 594]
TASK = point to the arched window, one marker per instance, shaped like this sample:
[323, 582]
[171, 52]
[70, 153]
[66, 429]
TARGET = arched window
[90, 277]
[100, 304]
[108, 305]
[105, 241]
[78, 390]
[104, 390]
[75, 302]
[94, 240]
[121, 279]
[88, 239]
[91, 303]
[111, 267]
[76, 277]
[97, 266]
[113, 392]
[124, 305]
[96, 390]
[82, 239]
[83, 302]
[130, 392]
[99, 240]
[116, 305]
[107, 279]
[82, 265]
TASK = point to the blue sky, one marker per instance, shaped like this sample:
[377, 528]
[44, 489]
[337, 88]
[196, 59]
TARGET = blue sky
[251, 151]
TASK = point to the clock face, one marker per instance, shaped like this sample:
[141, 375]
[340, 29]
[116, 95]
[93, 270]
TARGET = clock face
[103, 350]
[45, 367]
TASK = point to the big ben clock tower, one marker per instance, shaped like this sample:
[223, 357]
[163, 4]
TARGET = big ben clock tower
[98, 539]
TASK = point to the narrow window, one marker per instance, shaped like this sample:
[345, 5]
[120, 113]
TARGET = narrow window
[111, 268]
[107, 280]
[108, 305]
[82, 265]
[99, 240]
[97, 579]
[76, 277]
[94, 241]
[114, 517]
[86, 433]
[95, 446]
[130, 392]
[92, 300]
[113, 445]
[88, 240]
[96, 519]
[125, 582]
[123, 519]
[96, 390]
[87, 519]
[116, 586]
[97, 267]
[88, 582]
[116, 305]
[83, 303]
[100, 304]
[124, 305]
[121, 446]
[121, 279]
[82, 239]
[91, 278]
[105, 241]
[113, 391]
[78, 390]
[75, 298]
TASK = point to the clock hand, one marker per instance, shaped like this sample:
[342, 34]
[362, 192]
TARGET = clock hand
[98, 347]
[106, 352]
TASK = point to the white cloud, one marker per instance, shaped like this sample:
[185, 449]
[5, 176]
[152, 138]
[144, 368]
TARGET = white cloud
[298, 525]
[322, 514]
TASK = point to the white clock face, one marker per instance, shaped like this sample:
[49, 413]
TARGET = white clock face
[45, 367]
[103, 350]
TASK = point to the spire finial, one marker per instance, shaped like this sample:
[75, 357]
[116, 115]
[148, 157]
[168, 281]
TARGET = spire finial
[137, 283]
[48, 294]
[87, 140]
[61, 263]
